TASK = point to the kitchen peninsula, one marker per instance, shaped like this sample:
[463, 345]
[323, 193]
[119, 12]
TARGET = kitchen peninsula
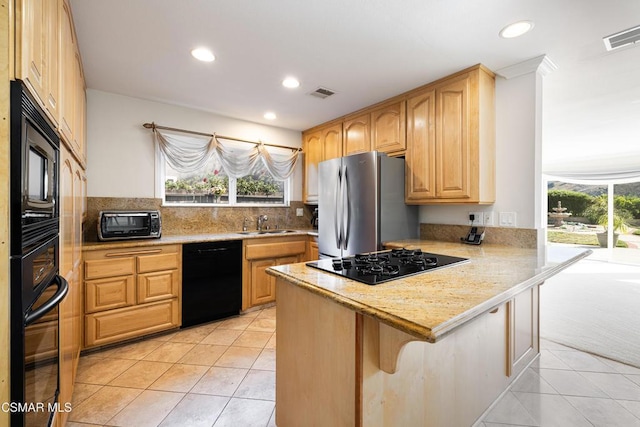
[432, 349]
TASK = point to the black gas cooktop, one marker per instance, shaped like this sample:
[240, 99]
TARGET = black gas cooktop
[379, 267]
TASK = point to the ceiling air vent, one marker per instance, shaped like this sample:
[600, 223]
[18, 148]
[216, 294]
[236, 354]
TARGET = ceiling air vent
[623, 38]
[322, 92]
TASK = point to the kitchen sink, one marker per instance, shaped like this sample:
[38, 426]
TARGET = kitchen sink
[275, 231]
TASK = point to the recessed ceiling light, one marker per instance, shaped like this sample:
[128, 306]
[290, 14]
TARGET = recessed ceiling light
[516, 29]
[203, 54]
[270, 115]
[291, 82]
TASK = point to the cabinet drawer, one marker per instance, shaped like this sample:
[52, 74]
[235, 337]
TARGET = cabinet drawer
[157, 286]
[148, 263]
[106, 294]
[275, 250]
[99, 268]
[130, 322]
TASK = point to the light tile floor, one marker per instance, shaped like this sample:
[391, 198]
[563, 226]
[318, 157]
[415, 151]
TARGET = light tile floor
[217, 374]
[223, 374]
[570, 388]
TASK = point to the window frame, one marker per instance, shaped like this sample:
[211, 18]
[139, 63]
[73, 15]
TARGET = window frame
[160, 178]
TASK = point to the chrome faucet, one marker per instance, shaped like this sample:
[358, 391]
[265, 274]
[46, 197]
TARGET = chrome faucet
[261, 221]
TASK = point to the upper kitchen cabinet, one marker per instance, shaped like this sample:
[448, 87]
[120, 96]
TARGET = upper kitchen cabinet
[37, 51]
[420, 172]
[312, 147]
[356, 134]
[388, 128]
[451, 140]
[332, 142]
[72, 111]
[319, 144]
[48, 61]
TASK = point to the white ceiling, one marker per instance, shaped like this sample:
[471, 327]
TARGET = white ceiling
[366, 51]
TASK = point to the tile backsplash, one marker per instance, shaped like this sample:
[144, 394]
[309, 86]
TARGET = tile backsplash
[178, 220]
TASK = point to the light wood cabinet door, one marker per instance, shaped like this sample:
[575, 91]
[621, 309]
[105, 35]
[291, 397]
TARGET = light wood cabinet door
[263, 286]
[52, 77]
[420, 171]
[38, 51]
[312, 144]
[72, 194]
[79, 110]
[109, 293]
[332, 142]
[68, 75]
[157, 286]
[313, 254]
[453, 166]
[357, 138]
[33, 30]
[388, 129]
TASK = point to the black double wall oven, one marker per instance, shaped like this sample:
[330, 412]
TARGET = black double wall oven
[36, 286]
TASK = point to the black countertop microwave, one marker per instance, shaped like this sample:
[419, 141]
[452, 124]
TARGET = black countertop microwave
[117, 225]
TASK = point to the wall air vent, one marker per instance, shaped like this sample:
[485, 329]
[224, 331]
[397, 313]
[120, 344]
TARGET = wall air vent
[623, 38]
[322, 92]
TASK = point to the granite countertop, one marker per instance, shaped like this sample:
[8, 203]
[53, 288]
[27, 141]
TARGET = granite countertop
[431, 305]
[189, 238]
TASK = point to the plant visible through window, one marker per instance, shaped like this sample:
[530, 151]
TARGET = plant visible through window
[212, 186]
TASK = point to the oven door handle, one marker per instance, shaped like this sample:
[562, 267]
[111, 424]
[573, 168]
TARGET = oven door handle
[63, 287]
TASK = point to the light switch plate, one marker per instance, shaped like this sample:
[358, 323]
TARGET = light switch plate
[299, 212]
[507, 219]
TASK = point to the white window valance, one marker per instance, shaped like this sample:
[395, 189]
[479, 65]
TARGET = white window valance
[187, 153]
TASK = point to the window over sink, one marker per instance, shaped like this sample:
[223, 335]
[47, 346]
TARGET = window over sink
[211, 186]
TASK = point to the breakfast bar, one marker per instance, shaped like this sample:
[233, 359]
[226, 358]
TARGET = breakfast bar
[435, 348]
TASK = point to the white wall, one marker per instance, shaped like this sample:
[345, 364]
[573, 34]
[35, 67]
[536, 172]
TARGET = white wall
[121, 154]
[516, 158]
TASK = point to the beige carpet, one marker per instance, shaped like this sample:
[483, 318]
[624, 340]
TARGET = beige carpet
[594, 306]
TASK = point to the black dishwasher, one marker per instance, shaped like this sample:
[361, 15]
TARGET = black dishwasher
[211, 281]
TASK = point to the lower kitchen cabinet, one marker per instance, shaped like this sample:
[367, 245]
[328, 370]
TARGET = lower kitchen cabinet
[121, 324]
[131, 292]
[313, 253]
[524, 329]
[258, 287]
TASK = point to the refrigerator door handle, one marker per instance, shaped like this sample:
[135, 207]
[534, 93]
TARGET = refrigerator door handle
[346, 225]
[337, 213]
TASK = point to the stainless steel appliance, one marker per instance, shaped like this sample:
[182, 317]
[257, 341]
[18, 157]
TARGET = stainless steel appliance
[379, 267]
[119, 225]
[36, 287]
[361, 203]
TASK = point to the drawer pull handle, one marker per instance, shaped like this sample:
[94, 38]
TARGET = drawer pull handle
[120, 254]
[495, 310]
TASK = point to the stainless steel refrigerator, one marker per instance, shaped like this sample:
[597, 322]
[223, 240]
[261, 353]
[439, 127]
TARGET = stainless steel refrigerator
[361, 204]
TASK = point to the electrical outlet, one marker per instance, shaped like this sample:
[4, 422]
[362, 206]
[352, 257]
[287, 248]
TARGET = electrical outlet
[507, 219]
[478, 218]
[299, 212]
[488, 218]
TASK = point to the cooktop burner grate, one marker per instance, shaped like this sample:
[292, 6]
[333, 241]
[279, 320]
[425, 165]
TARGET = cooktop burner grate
[379, 267]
